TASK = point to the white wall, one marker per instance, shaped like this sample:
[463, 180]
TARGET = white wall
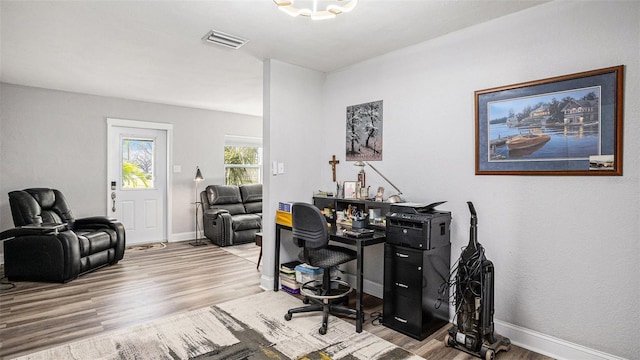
[293, 135]
[565, 248]
[59, 139]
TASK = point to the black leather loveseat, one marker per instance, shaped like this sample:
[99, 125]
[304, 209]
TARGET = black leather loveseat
[50, 244]
[232, 214]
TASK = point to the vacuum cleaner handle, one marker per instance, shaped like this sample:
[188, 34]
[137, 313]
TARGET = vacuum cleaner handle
[474, 217]
[472, 249]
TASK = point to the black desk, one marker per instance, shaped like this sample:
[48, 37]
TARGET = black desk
[360, 243]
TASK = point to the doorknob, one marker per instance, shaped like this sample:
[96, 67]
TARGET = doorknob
[113, 199]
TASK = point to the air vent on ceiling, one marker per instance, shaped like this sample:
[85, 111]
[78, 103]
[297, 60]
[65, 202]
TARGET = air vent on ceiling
[220, 38]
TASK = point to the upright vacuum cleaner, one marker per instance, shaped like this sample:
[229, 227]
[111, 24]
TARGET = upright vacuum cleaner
[474, 279]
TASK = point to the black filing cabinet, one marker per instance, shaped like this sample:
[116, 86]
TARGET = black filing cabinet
[414, 273]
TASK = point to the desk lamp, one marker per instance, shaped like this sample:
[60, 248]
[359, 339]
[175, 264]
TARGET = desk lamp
[197, 179]
[393, 198]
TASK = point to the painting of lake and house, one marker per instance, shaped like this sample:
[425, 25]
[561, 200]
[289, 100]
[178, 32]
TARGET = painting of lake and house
[556, 126]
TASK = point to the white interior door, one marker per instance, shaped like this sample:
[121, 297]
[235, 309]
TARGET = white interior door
[138, 182]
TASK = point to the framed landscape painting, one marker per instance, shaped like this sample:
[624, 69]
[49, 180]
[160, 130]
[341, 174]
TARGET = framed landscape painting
[566, 125]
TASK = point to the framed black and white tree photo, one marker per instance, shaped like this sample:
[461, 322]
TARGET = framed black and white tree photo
[364, 132]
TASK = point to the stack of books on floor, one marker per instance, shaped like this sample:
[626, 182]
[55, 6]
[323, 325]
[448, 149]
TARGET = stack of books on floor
[288, 281]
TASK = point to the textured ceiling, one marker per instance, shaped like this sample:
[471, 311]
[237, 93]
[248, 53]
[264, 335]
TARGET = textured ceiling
[152, 50]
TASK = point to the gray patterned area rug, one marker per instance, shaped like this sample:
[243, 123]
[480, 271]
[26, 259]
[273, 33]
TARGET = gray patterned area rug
[252, 327]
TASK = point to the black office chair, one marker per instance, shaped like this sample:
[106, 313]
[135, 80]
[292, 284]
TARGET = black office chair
[310, 232]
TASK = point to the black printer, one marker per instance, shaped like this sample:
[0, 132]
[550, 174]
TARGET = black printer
[418, 226]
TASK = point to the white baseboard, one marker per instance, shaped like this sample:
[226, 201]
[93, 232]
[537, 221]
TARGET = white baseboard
[189, 235]
[520, 336]
[549, 345]
[370, 287]
[266, 282]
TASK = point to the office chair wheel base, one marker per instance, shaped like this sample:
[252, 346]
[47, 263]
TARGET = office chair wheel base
[322, 330]
[306, 301]
[287, 316]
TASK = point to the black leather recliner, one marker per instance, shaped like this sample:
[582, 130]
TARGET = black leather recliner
[232, 214]
[38, 251]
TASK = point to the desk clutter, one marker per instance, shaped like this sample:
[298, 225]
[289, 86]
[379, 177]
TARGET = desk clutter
[353, 218]
[295, 273]
[417, 250]
[359, 233]
[353, 213]
[283, 214]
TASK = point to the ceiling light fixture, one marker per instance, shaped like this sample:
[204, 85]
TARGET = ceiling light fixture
[314, 8]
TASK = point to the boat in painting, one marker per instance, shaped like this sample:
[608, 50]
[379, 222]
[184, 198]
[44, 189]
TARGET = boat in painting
[525, 141]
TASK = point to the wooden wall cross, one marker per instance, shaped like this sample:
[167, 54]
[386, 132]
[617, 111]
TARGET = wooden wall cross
[333, 163]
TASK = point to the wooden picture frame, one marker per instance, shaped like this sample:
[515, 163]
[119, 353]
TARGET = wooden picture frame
[566, 125]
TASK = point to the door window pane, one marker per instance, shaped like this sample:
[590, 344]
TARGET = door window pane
[137, 163]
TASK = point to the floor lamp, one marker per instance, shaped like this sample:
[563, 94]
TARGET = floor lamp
[197, 179]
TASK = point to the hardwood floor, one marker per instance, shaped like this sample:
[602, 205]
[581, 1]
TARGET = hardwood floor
[150, 284]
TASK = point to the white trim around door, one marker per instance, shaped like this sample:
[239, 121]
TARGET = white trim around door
[113, 122]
